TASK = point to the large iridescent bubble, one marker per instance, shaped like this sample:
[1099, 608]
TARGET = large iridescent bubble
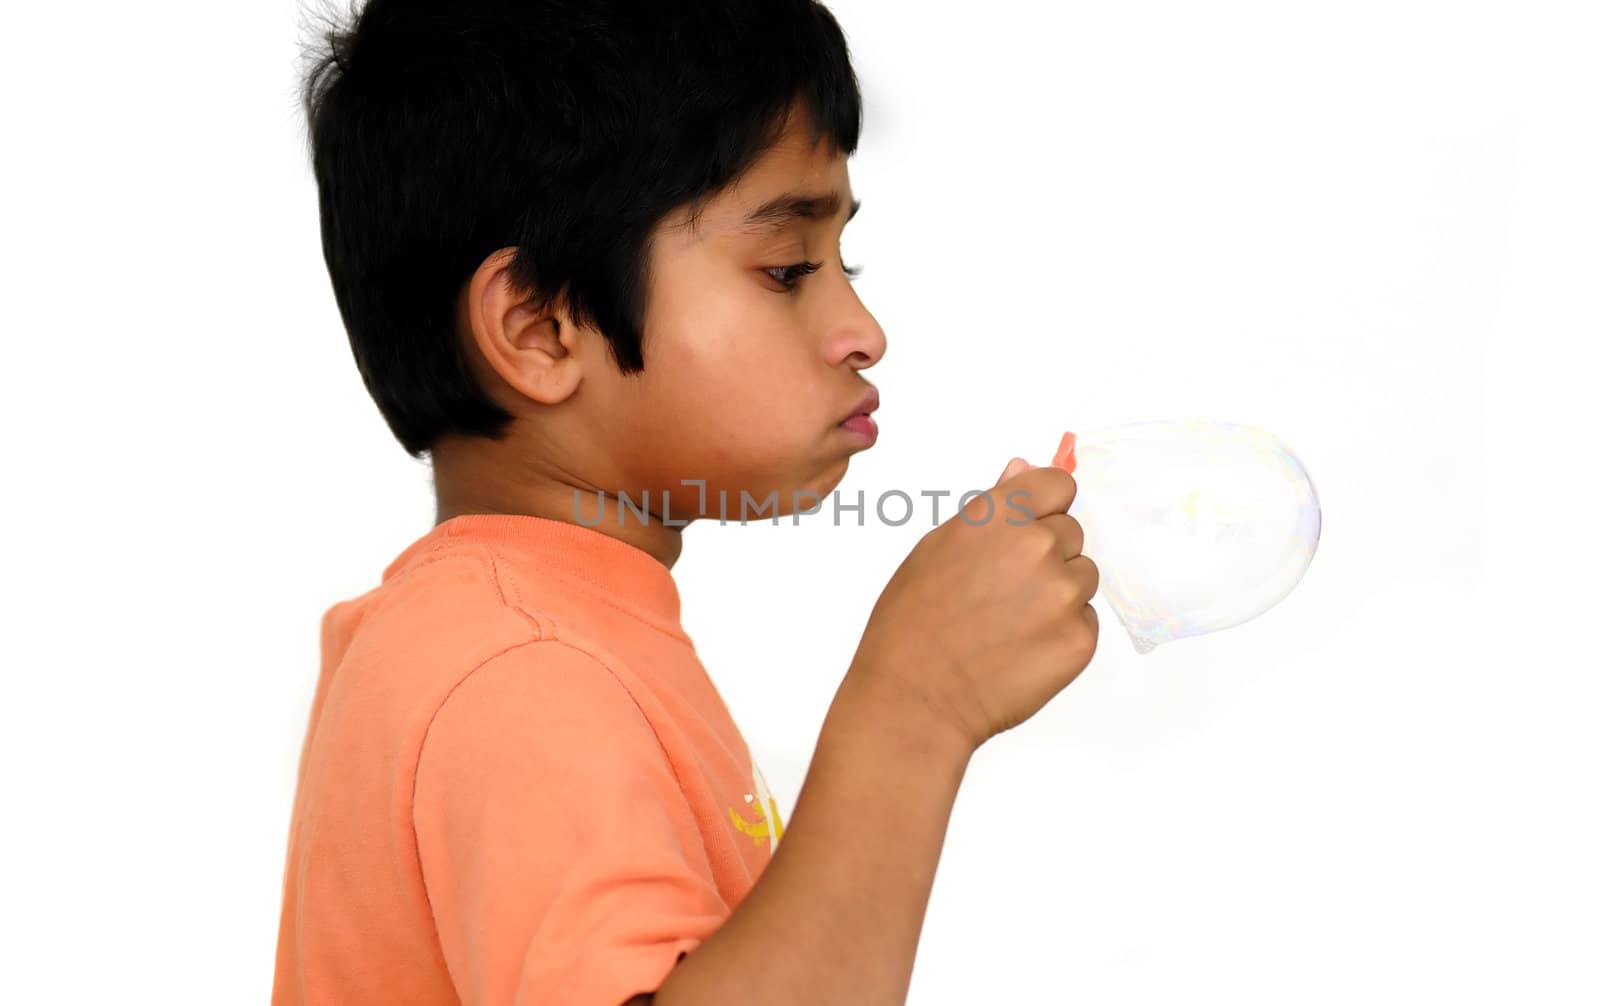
[1194, 526]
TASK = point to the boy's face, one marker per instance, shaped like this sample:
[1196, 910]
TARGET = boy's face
[745, 383]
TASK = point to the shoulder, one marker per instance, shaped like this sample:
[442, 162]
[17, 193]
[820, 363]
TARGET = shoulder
[555, 688]
[544, 723]
[456, 633]
[463, 578]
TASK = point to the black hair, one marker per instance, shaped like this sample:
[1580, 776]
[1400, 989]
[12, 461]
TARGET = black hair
[444, 130]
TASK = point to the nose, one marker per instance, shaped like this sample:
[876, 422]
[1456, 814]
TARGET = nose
[855, 338]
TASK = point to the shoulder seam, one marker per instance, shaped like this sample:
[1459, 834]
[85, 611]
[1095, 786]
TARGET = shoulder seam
[590, 654]
[416, 765]
[501, 573]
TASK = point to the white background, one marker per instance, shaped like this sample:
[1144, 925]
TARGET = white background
[1371, 228]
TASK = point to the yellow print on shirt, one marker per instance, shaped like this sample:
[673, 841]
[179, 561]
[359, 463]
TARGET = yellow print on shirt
[768, 825]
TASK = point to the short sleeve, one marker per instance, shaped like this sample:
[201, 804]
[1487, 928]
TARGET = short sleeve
[561, 860]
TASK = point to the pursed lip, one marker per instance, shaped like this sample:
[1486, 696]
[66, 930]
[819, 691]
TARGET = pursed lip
[866, 406]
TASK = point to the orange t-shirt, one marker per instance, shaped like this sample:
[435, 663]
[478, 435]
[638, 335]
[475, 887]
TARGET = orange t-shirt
[518, 784]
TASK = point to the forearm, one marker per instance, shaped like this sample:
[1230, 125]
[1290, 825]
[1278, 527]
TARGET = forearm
[836, 915]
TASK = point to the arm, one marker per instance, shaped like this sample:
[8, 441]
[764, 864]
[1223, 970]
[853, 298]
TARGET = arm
[560, 861]
[981, 625]
[836, 915]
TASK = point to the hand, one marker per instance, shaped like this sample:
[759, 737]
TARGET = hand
[988, 617]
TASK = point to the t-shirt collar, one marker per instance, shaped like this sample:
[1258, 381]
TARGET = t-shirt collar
[624, 571]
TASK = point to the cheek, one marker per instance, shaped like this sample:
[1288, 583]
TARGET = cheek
[740, 364]
[737, 387]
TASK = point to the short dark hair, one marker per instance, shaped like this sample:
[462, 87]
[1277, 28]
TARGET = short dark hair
[443, 130]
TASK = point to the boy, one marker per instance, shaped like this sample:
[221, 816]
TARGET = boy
[586, 249]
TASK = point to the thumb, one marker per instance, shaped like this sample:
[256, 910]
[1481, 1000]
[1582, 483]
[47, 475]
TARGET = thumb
[1013, 467]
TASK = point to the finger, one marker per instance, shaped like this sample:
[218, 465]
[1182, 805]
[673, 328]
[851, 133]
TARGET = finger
[1039, 491]
[1085, 574]
[1067, 531]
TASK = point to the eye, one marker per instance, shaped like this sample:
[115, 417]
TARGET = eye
[790, 275]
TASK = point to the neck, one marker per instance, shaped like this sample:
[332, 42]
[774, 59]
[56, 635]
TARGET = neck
[482, 478]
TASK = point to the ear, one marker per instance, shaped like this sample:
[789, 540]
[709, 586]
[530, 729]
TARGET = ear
[530, 349]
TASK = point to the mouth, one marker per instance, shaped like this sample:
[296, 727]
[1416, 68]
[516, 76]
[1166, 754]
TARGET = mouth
[860, 422]
[865, 407]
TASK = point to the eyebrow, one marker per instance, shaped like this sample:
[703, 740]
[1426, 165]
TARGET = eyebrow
[781, 211]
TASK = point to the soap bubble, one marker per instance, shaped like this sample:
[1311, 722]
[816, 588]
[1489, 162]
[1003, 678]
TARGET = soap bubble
[1194, 526]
